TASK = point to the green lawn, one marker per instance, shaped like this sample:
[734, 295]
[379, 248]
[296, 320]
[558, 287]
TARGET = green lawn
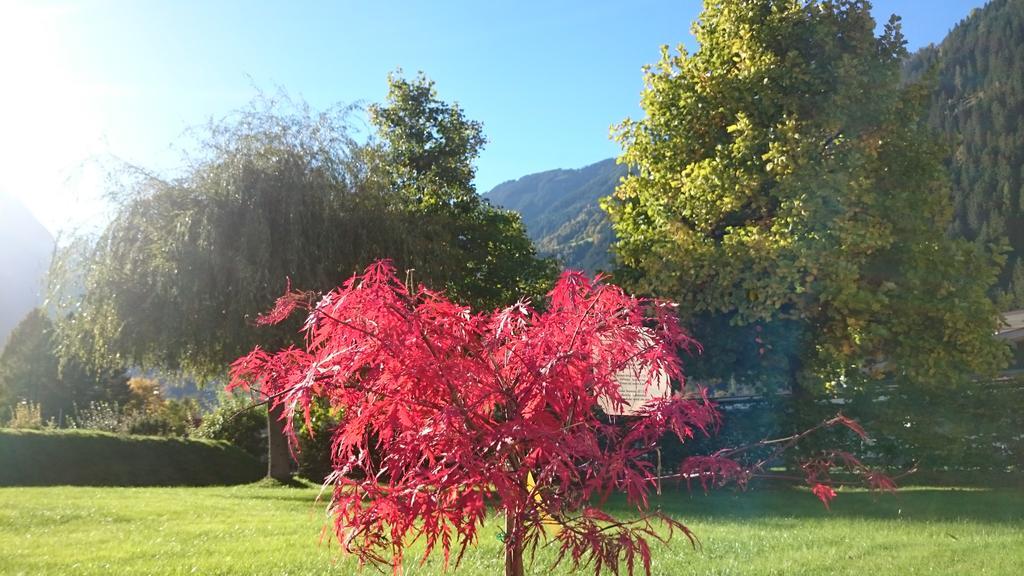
[273, 530]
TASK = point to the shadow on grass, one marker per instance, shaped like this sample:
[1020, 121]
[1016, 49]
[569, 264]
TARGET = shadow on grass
[912, 505]
[293, 482]
[1003, 506]
[295, 490]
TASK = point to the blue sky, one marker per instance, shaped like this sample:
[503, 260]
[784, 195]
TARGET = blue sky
[89, 81]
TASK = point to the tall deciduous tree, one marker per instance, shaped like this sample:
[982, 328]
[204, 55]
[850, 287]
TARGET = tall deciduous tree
[782, 177]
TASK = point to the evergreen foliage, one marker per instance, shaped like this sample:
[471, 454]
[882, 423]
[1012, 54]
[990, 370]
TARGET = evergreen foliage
[978, 104]
[30, 371]
[561, 213]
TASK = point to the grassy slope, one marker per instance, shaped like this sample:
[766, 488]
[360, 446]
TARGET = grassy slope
[269, 530]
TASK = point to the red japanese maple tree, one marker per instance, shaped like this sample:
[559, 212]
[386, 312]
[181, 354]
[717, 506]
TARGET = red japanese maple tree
[448, 412]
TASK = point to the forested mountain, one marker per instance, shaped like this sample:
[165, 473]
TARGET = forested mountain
[978, 104]
[25, 250]
[561, 212]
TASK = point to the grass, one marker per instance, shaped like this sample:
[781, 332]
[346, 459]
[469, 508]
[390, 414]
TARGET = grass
[90, 458]
[267, 529]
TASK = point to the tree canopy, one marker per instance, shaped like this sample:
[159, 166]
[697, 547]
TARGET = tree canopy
[31, 371]
[280, 193]
[177, 276]
[783, 175]
[479, 253]
[450, 412]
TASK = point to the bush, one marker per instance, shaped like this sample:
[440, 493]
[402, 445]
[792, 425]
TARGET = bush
[90, 458]
[314, 451]
[163, 418]
[101, 417]
[27, 415]
[168, 418]
[233, 420]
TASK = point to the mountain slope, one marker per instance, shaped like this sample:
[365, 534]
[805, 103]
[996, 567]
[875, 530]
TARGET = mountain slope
[978, 104]
[25, 251]
[561, 213]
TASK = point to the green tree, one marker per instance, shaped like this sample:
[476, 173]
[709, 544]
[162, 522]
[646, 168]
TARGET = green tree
[978, 105]
[30, 370]
[178, 277]
[429, 146]
[425, 154]
[783, 182]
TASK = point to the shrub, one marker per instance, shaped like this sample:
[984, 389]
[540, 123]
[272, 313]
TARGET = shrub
[470, 412]
[26, 415]
[90, 458]
[168, 418]
[313, 453]
[235, 421]
[100, 416]
[162, 418]
[144, 395]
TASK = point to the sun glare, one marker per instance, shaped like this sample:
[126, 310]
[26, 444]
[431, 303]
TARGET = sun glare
[51, 118]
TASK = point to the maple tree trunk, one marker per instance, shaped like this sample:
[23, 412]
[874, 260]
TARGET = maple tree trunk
[513, 546]
[278, 457]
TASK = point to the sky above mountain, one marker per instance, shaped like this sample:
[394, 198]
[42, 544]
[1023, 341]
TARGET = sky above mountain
[89, 84]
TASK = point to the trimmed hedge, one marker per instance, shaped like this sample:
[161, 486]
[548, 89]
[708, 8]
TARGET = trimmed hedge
[90, 458]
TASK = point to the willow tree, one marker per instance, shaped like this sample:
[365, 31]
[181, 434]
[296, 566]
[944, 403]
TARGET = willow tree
[276, 194]
[177, 277]
[782, 181]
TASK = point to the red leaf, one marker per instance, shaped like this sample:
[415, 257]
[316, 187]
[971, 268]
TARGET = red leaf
[283, 306]
[824, 493]
[852, 425]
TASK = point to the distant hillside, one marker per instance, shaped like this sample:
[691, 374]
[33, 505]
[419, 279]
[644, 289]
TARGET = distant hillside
[25, 251]
[979, 104]
[561, 213]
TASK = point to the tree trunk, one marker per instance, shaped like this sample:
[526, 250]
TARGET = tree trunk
[279, 458]
[801, 413]
[513, 546]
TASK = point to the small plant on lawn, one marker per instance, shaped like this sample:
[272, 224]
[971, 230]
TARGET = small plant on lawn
[102, 416]
[26, 415]
[448, 412]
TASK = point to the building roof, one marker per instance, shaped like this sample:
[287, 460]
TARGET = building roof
[1013, 326]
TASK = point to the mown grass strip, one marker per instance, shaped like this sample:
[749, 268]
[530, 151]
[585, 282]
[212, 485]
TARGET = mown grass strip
[261, 529]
